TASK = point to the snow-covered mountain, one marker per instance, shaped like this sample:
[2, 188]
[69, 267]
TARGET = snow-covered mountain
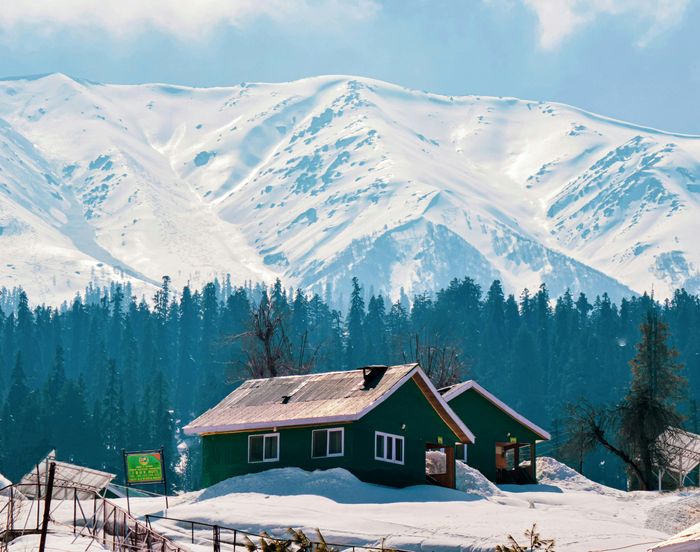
[324, 178]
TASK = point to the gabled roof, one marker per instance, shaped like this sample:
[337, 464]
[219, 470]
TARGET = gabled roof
[453, 391]
[312, 399]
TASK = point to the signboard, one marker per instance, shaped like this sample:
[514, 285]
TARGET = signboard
[144, 467]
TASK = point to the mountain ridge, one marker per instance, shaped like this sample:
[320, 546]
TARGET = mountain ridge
[323, 178]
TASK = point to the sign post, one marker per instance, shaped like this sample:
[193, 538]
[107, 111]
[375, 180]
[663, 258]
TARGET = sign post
[144, 468]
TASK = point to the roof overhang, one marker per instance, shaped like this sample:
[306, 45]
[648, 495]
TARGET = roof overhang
[471, 384]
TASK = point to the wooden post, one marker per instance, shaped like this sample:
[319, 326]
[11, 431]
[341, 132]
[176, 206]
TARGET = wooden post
[47, 507]
[450, 466]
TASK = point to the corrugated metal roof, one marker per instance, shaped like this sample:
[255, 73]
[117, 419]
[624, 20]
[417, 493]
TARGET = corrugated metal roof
[296, 400]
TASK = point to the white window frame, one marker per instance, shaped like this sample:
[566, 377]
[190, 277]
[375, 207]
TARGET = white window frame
[328, 442]
[264, 437]
[395, 437]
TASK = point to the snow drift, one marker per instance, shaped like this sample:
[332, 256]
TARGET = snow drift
[552, 472]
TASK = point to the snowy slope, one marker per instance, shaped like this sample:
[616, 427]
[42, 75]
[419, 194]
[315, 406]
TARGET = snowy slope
[324, 178]
[421, 517]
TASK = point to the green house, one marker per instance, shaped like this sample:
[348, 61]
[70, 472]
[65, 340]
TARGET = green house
[505, 447]
[378, 422]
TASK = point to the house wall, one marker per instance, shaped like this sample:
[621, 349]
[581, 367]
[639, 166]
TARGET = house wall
[409, 407]
[226, 455]
[490, 425]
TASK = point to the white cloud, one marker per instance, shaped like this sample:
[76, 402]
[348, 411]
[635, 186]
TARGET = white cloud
[558, 19]
[183, 18]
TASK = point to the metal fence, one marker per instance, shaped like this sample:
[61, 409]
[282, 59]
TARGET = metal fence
[84, 515]
[220, 537]
[97, 518]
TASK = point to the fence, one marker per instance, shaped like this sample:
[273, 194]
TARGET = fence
[85, 514]
[220, 537]
[89, 514]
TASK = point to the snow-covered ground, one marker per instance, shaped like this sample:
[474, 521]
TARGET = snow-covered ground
[55, 542]
[578, 513]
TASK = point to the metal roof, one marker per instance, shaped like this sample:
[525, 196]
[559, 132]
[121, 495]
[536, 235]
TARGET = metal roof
[329, 397]
[69, 479]
[453, 391]
[682, 449]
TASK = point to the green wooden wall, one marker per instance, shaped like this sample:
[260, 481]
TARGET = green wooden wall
[490, 425]
[407, 413]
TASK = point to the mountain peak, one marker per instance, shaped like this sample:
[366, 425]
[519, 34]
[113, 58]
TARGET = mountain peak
[320, 179]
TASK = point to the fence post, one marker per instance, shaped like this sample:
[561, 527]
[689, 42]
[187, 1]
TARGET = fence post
[192, 526]
[38, 495]
[47, 507]
[75, 509]
[11, 511]
[234, 540]
[94, 514]
[217, 542]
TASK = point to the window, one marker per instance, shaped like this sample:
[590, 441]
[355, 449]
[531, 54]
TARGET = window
[388, 447]
[264, 448]
[327, 442]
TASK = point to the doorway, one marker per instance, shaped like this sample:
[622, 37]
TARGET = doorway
[440, 465]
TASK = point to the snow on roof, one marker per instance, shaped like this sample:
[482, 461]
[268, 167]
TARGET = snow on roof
[687, 540]
[67, 477]
[682, 449]
[322, 398]
[453, 391]
[4, 482]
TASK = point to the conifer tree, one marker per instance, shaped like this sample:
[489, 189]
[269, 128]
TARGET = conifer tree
[650, 407]
[355, 350]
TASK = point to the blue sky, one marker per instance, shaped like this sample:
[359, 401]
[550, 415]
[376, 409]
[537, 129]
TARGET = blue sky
[635, 60]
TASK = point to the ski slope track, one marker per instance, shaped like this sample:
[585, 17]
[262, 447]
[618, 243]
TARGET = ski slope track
[324, 178]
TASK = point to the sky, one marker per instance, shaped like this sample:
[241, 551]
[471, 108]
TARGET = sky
[635, 60]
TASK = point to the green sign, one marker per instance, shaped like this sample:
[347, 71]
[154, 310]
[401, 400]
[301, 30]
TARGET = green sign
[144, 467]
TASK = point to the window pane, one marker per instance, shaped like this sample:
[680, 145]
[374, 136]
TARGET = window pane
[255, 448]
[380, 447]
[270, 447]
[319, 443]
[389, 448]
[399, 450]
[335, 442]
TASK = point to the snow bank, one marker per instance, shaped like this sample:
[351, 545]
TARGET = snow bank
[677, 515]
[473, 481]
[336, 484]
[553, 472]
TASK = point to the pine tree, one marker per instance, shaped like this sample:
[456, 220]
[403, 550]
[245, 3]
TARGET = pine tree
[650, 407]
[376, 332]
[355, 355]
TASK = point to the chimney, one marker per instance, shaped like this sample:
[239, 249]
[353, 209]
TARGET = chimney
[372, 374]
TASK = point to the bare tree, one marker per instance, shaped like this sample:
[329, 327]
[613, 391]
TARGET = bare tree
[268, 350]
[441, 362]
[591, 426]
